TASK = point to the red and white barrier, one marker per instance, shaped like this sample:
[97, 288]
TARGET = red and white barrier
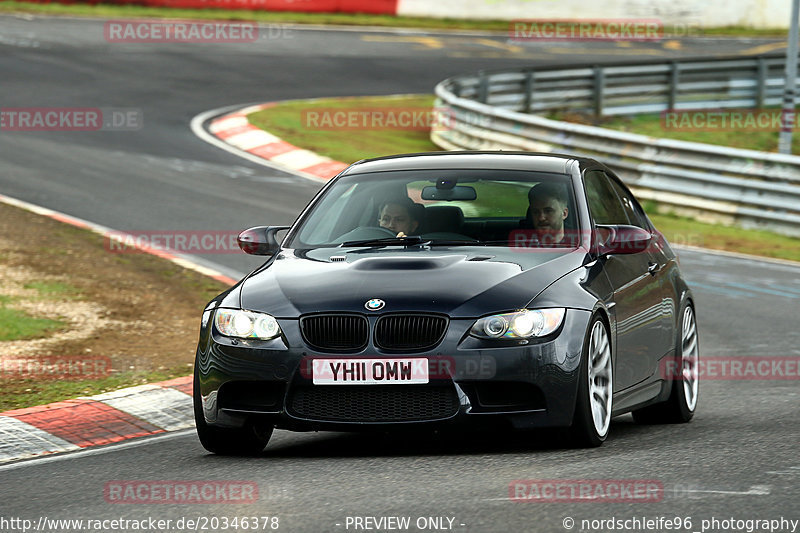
[373, 7]
[680, 13]
[688, 13]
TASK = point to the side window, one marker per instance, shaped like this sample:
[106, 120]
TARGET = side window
[604, 204]
[632, 209]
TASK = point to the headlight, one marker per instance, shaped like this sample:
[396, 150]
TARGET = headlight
[519, 325]
[246, 324]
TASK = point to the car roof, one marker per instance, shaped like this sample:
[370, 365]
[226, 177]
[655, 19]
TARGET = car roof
[542, 162]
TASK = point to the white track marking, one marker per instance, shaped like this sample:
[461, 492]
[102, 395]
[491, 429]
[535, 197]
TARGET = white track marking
[197, 128]
[19, 439]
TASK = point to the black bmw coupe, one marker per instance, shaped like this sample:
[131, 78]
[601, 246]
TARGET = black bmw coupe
[428, 290]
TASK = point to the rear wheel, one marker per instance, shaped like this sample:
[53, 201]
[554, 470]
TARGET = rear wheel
[248, 440]
[682, 400]
[592, 417]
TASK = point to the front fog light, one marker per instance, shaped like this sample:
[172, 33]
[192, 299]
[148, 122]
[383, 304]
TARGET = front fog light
[246, 324]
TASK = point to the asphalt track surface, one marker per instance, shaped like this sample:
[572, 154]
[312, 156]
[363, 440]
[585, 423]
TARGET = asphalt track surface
[737, 458]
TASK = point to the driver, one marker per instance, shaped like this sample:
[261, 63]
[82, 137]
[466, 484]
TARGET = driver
[399, 215]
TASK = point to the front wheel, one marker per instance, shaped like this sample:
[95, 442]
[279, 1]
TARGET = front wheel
[682, 401]
[592, 418]
[248, 440]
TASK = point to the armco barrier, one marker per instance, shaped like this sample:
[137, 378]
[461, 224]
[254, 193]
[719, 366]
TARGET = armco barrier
[728, 185]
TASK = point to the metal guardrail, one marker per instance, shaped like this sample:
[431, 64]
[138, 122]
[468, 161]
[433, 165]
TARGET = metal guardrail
[492, 111]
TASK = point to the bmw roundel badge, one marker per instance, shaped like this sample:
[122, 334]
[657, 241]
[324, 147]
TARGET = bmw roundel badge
[375, 304]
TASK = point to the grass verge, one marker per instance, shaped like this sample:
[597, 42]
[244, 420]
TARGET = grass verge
[655, 126]
[69, 299]
[292, 122]
[286, 121]
[349, 19]
[686, 231]
[28, 392]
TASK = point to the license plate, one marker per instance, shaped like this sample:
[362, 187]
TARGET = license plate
[370, 371]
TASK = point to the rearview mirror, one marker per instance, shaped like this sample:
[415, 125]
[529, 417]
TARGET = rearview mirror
[260, 240]
[622, 239]
[459, 192]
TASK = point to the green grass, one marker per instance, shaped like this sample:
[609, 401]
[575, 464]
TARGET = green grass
[284, 120]
[494, 199]
[350, 19]
[744, 32]
[17, 393]
[54, 289]
[290, 122]
[18, 325]
[686, 231]
[654, 126]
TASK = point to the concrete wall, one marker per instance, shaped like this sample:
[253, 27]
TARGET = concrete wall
[699, 13]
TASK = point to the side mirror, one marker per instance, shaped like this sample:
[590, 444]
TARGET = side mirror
[622, 239]
[260, 240]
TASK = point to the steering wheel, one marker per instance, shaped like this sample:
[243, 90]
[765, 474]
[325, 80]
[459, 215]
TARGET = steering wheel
[388, 232]
[366, 232]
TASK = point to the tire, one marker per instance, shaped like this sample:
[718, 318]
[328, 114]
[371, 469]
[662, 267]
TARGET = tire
[680, 406]
[248, 440]
[592, 418]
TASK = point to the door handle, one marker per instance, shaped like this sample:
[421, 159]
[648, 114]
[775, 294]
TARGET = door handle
[653, 268]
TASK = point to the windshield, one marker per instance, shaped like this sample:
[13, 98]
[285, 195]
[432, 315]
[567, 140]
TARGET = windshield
[442, 207]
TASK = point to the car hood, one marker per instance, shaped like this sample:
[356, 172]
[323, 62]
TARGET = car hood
[466, 284]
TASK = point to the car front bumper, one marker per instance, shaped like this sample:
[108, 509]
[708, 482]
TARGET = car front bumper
[471, 381]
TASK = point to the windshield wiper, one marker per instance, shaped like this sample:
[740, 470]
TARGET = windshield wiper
[413, 240]
[445, 242]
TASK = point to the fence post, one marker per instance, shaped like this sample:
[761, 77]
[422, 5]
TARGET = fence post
[457, 88]
[483, 87]
[761, 95]
[674, 80]
[599, 86]
[527, 89]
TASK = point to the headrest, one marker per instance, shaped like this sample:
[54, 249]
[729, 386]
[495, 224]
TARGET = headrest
[443, 218]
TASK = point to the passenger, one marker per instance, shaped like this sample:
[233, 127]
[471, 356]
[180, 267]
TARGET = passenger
[547, 212]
